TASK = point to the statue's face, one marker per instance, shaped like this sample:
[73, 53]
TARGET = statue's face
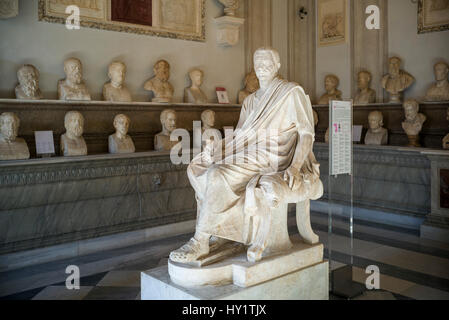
[162, 71]
[394, 67]
[441, 71]
[121, 124]
[74, 71]
[375, 121]
[197, 78]
[170, 122]
[29, 80]
[9, 128]
[74, 125]
[117, 74]
[330, 84]
[410, 112]
[363, 81]
[209, 119]
[265, 66]
[253, 83]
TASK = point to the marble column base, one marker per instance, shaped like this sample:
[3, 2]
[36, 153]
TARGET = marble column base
[310, 283]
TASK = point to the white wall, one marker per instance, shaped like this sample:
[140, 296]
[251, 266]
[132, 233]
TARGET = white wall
[334, 60]
[24, 39]
[419, 52]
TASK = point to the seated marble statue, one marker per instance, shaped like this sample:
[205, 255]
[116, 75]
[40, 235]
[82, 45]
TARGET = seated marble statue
[446, 138]
[331, 83]
[236, 198]
[72, 142]
[251, 86]
[413, 122]
[376, 135]
[115, 90]
[194, 94]
[439, 91]
[28, 88]
[162, 141]
[120, 141]
[73, 87]
[365, 94]
[11, 147]
[159, 85]
[397, 80]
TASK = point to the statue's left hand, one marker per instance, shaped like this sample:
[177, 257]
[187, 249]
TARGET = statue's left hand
[290, 175]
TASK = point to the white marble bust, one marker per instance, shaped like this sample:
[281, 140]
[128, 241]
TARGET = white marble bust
[331, 83]
[446, 138]
[397, 80]
[365, 94]
[115, 90]
[120, 141]
[11, 147]
[194, 94]
[376, 135]
[251, 86]
[73, 87]
[72, 142]
[207, 129]
[162, 140]
[413, 122]
[439, 91]
[159, 85]
[28, 87]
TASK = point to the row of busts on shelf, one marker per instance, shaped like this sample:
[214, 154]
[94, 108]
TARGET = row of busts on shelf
[73, 86]
[412, 126]
[73, 144]
[395, 83]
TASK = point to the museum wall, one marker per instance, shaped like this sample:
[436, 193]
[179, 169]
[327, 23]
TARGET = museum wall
[24, 39]
[419, 51]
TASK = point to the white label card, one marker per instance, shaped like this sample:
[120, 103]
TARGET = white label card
[340, 137]
[44, 142]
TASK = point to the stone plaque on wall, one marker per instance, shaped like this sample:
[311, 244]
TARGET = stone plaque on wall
[179, 19]
[332, 22]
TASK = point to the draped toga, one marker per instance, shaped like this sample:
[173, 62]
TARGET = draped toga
[247, 180]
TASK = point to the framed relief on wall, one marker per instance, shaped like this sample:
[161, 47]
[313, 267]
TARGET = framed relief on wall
[433, 15]
[179, 19]
[332, 22]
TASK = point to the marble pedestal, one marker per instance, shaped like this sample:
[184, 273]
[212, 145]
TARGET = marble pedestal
[275, 278]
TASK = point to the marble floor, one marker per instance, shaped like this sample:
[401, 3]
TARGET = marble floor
[410, 267]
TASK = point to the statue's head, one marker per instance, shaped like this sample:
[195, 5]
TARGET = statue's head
[9, 126]
[73, 70]
[251, 82]
[162, 70]
[394, 66]
[28, 77]
[411, 109]
[74, 123]
[208, 118]
[168, 120]
[364, 80]
[267, 63]
[331, 82]
[121, 124]
[196, 76]
[441, 71]
[375, 120]
[117, 72]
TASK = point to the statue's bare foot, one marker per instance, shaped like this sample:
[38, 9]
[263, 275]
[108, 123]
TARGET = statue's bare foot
[190, 252]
